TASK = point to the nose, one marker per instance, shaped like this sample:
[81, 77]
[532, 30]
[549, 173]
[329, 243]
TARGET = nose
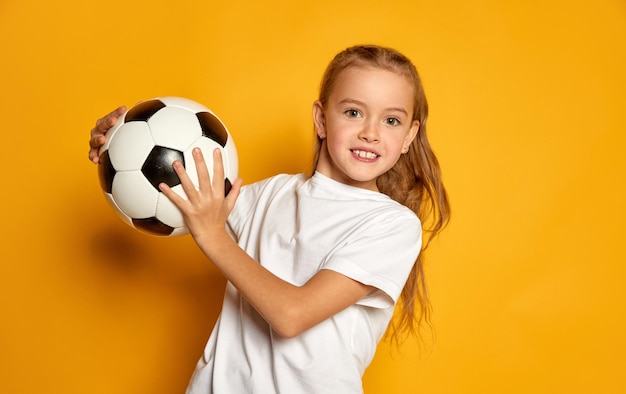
[369, 133]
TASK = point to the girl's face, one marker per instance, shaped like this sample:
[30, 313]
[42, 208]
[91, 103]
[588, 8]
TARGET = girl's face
[365, 126]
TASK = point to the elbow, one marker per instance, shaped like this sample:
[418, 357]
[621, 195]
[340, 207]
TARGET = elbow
[286, 332]
[289, 323]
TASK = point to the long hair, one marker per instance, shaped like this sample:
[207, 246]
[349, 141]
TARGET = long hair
[414, 181]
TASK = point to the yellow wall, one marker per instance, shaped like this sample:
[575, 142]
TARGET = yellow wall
[528, 106]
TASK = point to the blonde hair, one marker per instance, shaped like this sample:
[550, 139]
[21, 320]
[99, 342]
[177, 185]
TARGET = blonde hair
[414, 181]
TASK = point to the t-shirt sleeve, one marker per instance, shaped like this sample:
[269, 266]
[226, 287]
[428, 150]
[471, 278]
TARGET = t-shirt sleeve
[381, 255]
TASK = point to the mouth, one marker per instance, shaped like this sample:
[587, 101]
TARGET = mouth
[363, 154]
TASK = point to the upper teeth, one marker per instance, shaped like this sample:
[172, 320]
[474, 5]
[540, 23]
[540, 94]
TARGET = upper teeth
[364, 154]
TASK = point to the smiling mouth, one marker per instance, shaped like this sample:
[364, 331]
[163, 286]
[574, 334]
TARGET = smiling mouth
[364, 154]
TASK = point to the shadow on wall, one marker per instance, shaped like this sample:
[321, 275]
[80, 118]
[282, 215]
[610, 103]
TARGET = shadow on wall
[159, 292]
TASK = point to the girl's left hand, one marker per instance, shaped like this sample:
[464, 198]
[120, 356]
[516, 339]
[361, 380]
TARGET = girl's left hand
[206, 209]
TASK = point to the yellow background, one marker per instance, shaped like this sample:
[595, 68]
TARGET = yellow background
[528, 106]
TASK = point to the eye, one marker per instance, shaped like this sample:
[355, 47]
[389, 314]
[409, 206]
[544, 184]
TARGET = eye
[353, 113]
[392, 121]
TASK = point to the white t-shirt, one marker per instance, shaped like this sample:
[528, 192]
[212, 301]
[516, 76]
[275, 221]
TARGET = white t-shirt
[295, 226]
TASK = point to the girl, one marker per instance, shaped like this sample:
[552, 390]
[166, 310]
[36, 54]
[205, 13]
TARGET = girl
[315, 264]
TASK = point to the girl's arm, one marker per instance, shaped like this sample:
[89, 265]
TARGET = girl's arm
[289, 309]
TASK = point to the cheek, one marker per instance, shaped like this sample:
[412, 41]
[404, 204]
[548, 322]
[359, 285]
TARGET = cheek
[333, 144]
[336, 134]
[398, 144]
[397, 155]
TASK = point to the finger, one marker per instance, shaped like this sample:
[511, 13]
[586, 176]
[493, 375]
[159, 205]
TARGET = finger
[185, 180]
[103, 125]
[204, 178]
[171, 194]
[98, 133]
[94, 156]
[218, 171]
[95, 144]
[109, 120]
[96, 140]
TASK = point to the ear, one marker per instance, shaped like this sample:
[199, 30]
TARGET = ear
[319, 119]
[415, 126]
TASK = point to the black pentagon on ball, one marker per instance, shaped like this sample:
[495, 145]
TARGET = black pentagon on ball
[106, 172]
[153, 226]
[157, 168]
[227, 186]
[212, 128]
[143, 111]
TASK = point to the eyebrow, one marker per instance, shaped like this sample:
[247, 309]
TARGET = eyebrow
[357, 102]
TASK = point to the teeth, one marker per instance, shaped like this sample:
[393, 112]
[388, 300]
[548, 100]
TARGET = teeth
[364, 154]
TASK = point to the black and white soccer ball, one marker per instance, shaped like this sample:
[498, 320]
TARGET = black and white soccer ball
[139, 154]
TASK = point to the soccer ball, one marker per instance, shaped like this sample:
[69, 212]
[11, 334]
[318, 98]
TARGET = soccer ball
[139, 153]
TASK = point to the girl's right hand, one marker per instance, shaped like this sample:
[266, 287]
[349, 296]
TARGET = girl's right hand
[98, 133]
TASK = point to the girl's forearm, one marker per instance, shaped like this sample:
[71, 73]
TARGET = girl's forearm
[275, 299]
[288, 309]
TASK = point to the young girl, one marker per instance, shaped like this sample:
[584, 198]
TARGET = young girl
[315, 264]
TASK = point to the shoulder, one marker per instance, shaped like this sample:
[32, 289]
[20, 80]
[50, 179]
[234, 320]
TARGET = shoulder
[265, 190]
[274, 184]
[394, 213]
[395, 224]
